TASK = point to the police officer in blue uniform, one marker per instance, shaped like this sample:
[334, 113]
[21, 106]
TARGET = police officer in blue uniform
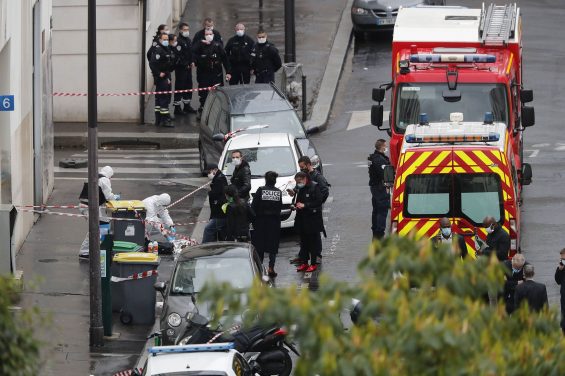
[267, 205]
[265, 59]
[183, 71]
[161, 64]
[239, 49]
[379, 192]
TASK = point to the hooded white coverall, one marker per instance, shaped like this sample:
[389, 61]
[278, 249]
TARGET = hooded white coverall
[156, 212]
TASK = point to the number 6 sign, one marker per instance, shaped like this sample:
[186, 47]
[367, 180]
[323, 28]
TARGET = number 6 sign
[6, 103]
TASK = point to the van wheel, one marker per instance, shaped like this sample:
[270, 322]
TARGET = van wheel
[202, 161]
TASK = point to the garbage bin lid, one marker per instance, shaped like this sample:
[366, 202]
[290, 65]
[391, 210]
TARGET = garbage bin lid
[137, 258]
[122, 246]
[125, 205]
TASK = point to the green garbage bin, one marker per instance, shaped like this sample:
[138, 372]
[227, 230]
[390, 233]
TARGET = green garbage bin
[134, 297]
[122, 246]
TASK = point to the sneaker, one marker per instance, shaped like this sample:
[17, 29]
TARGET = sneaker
[272, 272]
[297, 261]
[302, 268]
[312, 268]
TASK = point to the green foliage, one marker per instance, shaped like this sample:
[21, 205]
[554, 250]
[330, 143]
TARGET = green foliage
[425, 312]
[19, 351]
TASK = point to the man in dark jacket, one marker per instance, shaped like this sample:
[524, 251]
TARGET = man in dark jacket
[183, 71]
[309, 222]
[497, 239]
[215, 229]
[305, 165]
[560, 280]
[267, 205]
[532, 292]
[514, 276]
[446, 236]
[208, 24]
[210, 57]
[380, 196]
[265, 59]
[239, 216]
[161, 63]
[241, 176]
[239, 49]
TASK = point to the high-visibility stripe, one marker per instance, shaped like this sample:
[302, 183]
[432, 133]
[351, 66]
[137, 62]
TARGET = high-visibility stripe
[509, 63]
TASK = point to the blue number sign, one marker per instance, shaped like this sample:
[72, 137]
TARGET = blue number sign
[6, 103]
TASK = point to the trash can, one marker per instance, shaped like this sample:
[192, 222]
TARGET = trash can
[133, 294]
[121, 247]
[129, 231]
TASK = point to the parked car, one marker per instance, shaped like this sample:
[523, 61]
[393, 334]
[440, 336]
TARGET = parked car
[213, 359]
[235, 263]
[258, 108]
[380, 15]
[277, 152]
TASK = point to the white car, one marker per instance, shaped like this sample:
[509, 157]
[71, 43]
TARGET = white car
[217, 359]
[264, 152]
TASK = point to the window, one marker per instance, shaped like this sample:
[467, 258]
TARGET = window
[263, 159]
[280, 121]
[428, 195]
[476, 99]
[480, 196]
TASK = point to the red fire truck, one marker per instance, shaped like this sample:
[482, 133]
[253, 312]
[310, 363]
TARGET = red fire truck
[454, 59]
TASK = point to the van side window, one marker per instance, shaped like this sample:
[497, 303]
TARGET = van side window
[214, 115]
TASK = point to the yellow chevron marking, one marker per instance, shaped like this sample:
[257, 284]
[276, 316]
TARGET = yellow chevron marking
[440, 158]
[423, 231]
[483, 157]
[465, 158]
[416, 163]
[409, 226]
[446, 170]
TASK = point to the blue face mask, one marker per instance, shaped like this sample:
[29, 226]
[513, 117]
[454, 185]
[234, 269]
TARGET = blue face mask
[165, 43]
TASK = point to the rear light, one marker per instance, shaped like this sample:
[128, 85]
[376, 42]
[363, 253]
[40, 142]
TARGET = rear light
[513, 235]
[513, 244]
[280, 333]
[513, 225]
[394, 227]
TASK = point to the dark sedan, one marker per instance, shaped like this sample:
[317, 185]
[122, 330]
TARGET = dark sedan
[236, 263]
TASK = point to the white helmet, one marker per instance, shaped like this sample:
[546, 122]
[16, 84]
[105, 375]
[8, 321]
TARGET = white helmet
[107, 171]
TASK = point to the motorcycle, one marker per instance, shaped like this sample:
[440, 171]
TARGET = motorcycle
[264, 349]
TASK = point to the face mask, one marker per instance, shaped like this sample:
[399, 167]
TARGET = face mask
[299, 185]
[240, 33]
[174, 44]
[186, 34]
[446, 231]
[209, 38]
[305, 170]
[211, 175]
[490, 229]
[236, 161]
[165, 43]
[385, 150]
[261, 40]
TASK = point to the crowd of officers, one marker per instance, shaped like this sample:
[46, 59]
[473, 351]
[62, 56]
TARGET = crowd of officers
[233, 218]
[240, 58]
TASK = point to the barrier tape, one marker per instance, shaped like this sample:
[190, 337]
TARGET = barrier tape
[63, 94]
[188, 195]
[136, 276]
[128, 372]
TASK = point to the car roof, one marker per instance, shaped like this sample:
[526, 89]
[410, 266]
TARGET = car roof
[224, 249]
[253, 140]
[198, 361]
[254, 98]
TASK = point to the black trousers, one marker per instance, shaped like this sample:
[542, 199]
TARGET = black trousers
[162, 101]
[381, 202]
[264, 77]
[310, 246]
[207, 79]
[240, 74]
[183, 81]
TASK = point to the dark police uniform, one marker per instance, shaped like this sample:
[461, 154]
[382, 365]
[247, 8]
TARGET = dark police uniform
[265, 61]
[498, 241]
[183, 73]
[162, 61]
[380, 196]
[241, 178]
[215, 229]
[199, 36]
[309, 222]
[238, 217]
[209, 61]
[239, 50]
[267, 205]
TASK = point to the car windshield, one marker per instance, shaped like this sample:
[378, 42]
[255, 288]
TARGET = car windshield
[470, 196]
[191, 275]
[263, 159]
[476, 99]
[279, 122]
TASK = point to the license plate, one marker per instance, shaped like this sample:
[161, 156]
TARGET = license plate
[386, 21]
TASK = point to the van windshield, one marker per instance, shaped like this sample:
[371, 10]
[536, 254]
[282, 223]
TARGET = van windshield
[470, 196]
[278, 122]
[476, 99]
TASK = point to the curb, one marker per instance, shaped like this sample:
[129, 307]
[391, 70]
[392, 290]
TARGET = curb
[327, 91]
[165, 140]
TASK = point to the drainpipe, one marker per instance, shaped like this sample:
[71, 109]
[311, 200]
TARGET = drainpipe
[142, 78]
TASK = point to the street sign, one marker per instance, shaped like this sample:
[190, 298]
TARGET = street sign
[6, 103]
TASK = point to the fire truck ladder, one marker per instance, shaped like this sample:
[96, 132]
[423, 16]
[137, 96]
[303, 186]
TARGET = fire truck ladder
[498, 24]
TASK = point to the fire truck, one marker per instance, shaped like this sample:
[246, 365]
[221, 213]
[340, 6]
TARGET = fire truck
[463, 170]
[454, 59]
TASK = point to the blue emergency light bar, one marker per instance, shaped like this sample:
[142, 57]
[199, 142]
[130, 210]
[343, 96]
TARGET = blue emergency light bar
[452, 58]
[226, 346]
[422, 139]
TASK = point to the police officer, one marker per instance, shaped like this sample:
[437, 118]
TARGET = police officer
[215, 229]
[183, 71]
[267, 205]
[265, 59]
[210, 56]
[379, 192]
[239, 49]
[161, 64]
[162, 29]
[208, 24]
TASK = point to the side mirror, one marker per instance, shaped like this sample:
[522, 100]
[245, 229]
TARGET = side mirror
[218, 137]
[526, 96]
[526, 174]
[377, 115]
[160, 286]
[528, 117]
[312, 130]
[379, 94]
[388, 175]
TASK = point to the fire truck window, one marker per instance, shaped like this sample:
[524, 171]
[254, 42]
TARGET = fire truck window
[428, 195]
[480, 196]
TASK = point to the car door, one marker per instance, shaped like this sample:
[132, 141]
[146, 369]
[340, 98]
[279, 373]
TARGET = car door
[206, 142]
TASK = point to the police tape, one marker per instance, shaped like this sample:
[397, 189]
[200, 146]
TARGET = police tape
[63, 94]
[133, 277]
[189, 194]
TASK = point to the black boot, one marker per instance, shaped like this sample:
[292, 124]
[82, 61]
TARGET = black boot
[167, 121]
[178, 110]
[188, 109]
[157, 118]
